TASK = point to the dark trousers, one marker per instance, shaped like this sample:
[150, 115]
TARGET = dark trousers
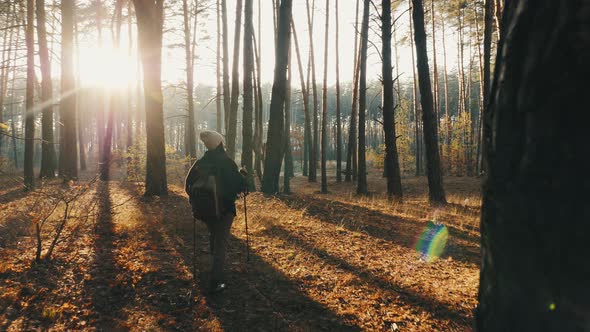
[219, 231]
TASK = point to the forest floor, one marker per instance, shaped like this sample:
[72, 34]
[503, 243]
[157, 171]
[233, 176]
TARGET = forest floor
[318, 262]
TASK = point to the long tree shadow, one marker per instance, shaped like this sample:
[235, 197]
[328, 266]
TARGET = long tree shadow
[387, 227]
[259, 297]
[423, 301]
[106, 288]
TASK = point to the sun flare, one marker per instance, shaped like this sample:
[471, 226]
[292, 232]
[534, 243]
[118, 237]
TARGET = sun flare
[107, 67]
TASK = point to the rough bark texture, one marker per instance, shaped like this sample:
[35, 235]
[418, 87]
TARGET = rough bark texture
[29, 98]
[272, 162]
[392, 169]
[487, 50]
[218, 109]
[48, 157]
[362, 163]
[150, 16]
[247, 141]
[235, 86]
[534, 225]
[68, 148]
[324, 186]
[436, 193]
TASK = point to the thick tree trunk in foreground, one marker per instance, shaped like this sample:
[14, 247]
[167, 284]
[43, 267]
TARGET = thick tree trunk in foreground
[436, 192]
[247, 141]
[392, 170]
[338, 110]
[534, 224]
[351, 160]
[29, 98]
[362, 163]
[48, 157]
[68, 147]
[150, 16]
[272, 162]
[313, 151]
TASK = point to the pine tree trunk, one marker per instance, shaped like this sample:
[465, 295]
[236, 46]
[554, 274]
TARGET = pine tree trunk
[80, 123]
[288, 157]
[436, 192]
[190, 136]
[418, 152]
[351, 159]
[68, 99]
[338, 109]
[272, 160]
[150, 23]
[535, 196]
[392, 170]
[305, 94]
[324, 185]
[247, 141]
[235, 87]
[226, 89]
[219, 111]
[313, 151]
[487, 47]
[48, 161]
[447, 104]
[29, 99]
[362, 163]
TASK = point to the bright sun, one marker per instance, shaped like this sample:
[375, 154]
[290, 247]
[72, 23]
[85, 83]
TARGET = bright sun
[106, 67]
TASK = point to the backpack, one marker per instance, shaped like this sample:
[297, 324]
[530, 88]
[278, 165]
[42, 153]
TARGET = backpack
[205, 194]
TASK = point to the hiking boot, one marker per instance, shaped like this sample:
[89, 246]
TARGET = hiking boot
[217, 287]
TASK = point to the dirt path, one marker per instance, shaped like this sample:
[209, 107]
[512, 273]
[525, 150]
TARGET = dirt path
[317, 262]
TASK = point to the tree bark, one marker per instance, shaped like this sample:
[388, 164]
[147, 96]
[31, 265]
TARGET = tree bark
[190, 136]
[392, 170]
[535, 202]
[272, 162]
[436, 192]
[48, 161]
[150, 15]
[313, 151]
[362, 163]
[487, 50]
[338, 108]
[218, 108]
[351, 159]
[226, 88]
[29, 98]
[235, 88]
[68, 94]
[247, 141]
[324, 185]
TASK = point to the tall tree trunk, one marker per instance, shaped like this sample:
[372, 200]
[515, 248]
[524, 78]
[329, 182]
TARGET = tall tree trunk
[226, 89]
[392, 170]
[324, 186]
[190, 137]
[48, 161]
[68, 93]
[338, 109]
[362, 163]
[351, 160]
[150, 20]
[235, 87]
[129, 113]
[101, 104]
[80, 123]
[447, 104]
[487, 50]
[272, 162]
[418, 152]
[313, 151]
[219, 112]
[247, 141]
[258, 118]
[288, 157]
[305, 94]
[535, 203]
[436, 192]
[30, 95]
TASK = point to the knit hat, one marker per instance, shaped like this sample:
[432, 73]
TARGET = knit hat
[211, 139]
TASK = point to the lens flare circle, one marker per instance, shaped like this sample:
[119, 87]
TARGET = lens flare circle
[432, 241]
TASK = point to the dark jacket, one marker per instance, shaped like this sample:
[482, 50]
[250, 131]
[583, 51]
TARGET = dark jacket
[231, 181]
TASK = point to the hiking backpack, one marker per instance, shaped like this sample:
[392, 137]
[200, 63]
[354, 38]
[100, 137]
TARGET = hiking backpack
[205, 194]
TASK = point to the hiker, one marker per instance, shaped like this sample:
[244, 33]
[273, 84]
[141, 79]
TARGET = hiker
[213, 184]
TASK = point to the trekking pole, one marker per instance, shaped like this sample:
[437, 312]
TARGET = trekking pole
[246, 220]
